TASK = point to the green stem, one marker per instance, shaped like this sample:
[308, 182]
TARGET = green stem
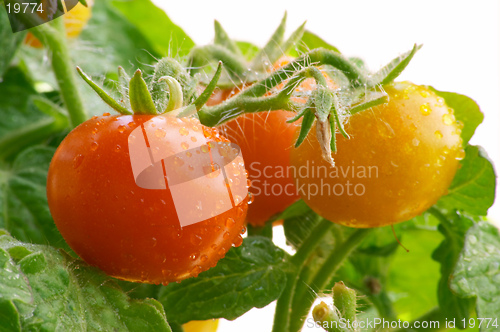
[303, 298]
[232, 108]
[53, 37]
[300, 259]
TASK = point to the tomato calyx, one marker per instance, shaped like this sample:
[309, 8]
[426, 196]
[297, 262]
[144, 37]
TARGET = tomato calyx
[143, 99]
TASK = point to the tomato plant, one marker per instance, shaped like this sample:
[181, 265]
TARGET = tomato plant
[71, 181]
[400, 159]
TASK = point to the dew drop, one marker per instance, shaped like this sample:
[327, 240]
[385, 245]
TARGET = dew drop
[196, 270]
[230, 222]
[415, 142]
[160, 133]
[77, 161]
[424, 93]
[121, 129]
[243, 230]
[184, 145]
[438, 134]
[178, 161]
[204, 258]
[251, 198]
[249, 183]
[94, 146]
[448, 119]
[131, 124]
[460, 154]
[194, 256]
[425, 109]
[226, 235]
[237, 199]
[213, 246]
[184, 131]
[189, 154]
[221, 252]
[195, 239]
[106, 114]
[193, 139]
[118, 148]
[238, 241]
[204, 149]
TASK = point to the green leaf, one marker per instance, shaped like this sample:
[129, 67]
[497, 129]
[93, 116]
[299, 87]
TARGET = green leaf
[44, 289]
[223, 39]
[249, 276]
[24, 211]
[454, 228]
[465, 109]
[477, 272]
[140, 98]
[473, 188]
[23, 124]
[9, 42]
[310, 41]
[167, 38]
[392, 70]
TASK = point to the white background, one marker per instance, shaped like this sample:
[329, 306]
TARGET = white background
[461, 53]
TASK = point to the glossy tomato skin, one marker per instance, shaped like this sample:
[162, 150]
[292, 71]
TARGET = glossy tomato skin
[400, 159]
[129, 232]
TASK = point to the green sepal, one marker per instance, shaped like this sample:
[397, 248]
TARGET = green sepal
[306, 126]
[140, 98]
[271, 49]
[372, 98]
[123, 82]
[336, 117]
[202, 56]
[323, 100]
[205, 95]
[333, 142]
[392, 70]
[292, 40]
[298, 115]
[104, 96]
[83, 2]
[221, 38]
[344, 298]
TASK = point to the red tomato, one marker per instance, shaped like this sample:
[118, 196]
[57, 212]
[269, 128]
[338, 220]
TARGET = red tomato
[129, 232]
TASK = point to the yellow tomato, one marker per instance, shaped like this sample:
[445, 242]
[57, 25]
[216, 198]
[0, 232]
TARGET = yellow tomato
[201, 326]
[399, 161]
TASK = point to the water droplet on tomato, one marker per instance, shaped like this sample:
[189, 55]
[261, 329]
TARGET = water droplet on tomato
[221, 252]
[118, 148]
[194, 256]
[251, 198]
[160, 133]
[106, 114]
[226, 235]
[230, 222]
[77, 161]
[178, 161]
[238, 241]
[213, 247]
[438, 134]
[184, 145]
[184, 131]
[196, 239]
[425, 109]
[196, 270]
[204, 258]
[243, 230]
[131, 124]
[448, 119]
[94, 146]
[121, 129]
[237, 199]
[415, 142]
[189, 154]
